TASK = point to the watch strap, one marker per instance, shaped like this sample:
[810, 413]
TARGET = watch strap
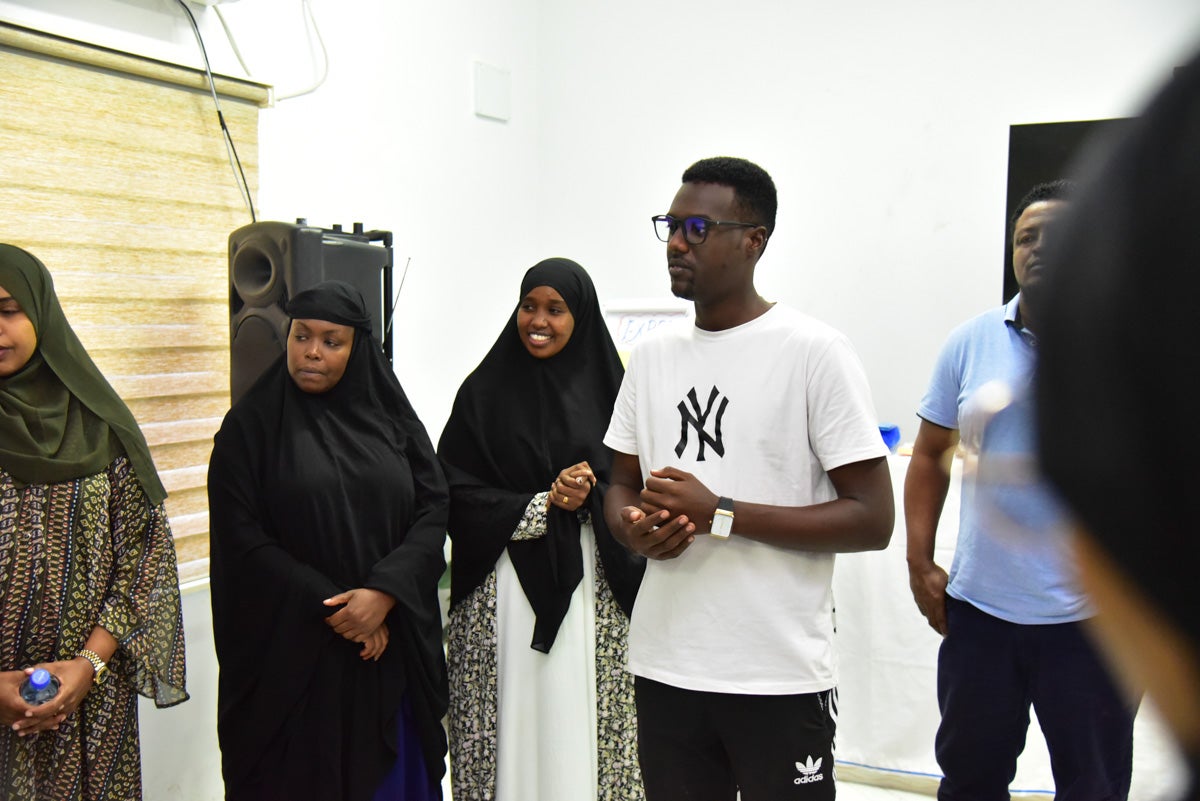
[722, 523]
[99, 669]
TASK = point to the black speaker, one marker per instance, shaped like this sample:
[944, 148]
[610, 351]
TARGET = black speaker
[269, 262]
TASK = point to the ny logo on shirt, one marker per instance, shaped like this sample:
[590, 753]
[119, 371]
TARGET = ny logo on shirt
[699, 421]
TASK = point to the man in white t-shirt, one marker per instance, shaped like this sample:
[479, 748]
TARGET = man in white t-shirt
[755, 424]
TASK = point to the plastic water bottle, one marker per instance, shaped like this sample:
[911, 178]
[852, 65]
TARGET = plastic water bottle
[39, 687]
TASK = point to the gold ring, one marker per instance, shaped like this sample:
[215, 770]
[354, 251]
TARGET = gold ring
[565, 499]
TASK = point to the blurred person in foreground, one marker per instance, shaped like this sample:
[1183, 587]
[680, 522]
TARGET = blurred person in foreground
[1117, 388]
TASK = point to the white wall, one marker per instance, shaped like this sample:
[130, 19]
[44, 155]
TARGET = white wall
[180, 756]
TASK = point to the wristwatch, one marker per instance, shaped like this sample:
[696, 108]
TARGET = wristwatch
[722, 522]
[100, 670]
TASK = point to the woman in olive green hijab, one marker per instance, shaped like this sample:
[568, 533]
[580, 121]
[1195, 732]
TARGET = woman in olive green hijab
[88, 582]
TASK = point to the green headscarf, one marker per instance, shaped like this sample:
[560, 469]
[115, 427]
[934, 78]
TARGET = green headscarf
[59, 418]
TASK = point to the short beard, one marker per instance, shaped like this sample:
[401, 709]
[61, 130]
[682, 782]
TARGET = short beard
[686, 291]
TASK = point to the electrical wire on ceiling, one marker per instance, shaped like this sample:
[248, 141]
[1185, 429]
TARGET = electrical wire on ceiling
[310, 22]
[235, 163]
[232, 41]
[310, 26]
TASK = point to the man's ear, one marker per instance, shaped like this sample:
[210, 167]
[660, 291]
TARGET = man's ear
[756, 241]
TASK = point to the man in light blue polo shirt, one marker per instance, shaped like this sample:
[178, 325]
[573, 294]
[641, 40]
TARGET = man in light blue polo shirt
[1010, 608]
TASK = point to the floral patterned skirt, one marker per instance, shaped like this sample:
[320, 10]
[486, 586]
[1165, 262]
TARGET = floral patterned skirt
[472, 656]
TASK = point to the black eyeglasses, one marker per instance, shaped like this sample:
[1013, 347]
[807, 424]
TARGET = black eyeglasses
[695, 229]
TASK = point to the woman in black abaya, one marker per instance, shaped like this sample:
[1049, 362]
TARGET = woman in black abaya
[541, 704]
[328, 513]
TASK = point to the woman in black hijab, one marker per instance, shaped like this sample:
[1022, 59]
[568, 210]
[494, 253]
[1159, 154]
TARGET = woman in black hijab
[88, 581]
[328, 512]
[1117, 386]
[541, 704]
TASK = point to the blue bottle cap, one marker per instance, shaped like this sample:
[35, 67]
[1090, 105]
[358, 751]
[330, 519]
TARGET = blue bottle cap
[39, 679]
[891, 436]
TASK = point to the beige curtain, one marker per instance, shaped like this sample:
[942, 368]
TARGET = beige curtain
[114, 173]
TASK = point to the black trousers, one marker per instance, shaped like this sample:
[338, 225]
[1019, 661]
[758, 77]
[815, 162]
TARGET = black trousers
[990, 672]
[703, 746]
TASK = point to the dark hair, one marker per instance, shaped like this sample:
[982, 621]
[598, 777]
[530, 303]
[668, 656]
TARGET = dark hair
[752, 186]
[1060, 189]
[1117, 378]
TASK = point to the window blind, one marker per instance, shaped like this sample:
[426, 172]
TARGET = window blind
[114, 173]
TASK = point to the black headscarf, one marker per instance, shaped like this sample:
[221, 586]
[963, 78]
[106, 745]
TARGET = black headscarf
[517, 421]
[311, 495]
[60, 419]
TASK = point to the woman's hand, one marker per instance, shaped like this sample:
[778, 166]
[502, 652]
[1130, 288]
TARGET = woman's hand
[75, 682]
[375, 644]
[572, 486]
[12, 705]
[362, 614]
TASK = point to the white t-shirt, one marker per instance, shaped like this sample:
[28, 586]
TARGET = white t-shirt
[759, 413]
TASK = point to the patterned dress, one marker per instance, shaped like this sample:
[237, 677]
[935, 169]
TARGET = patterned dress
[472, 636]
[73, 555]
